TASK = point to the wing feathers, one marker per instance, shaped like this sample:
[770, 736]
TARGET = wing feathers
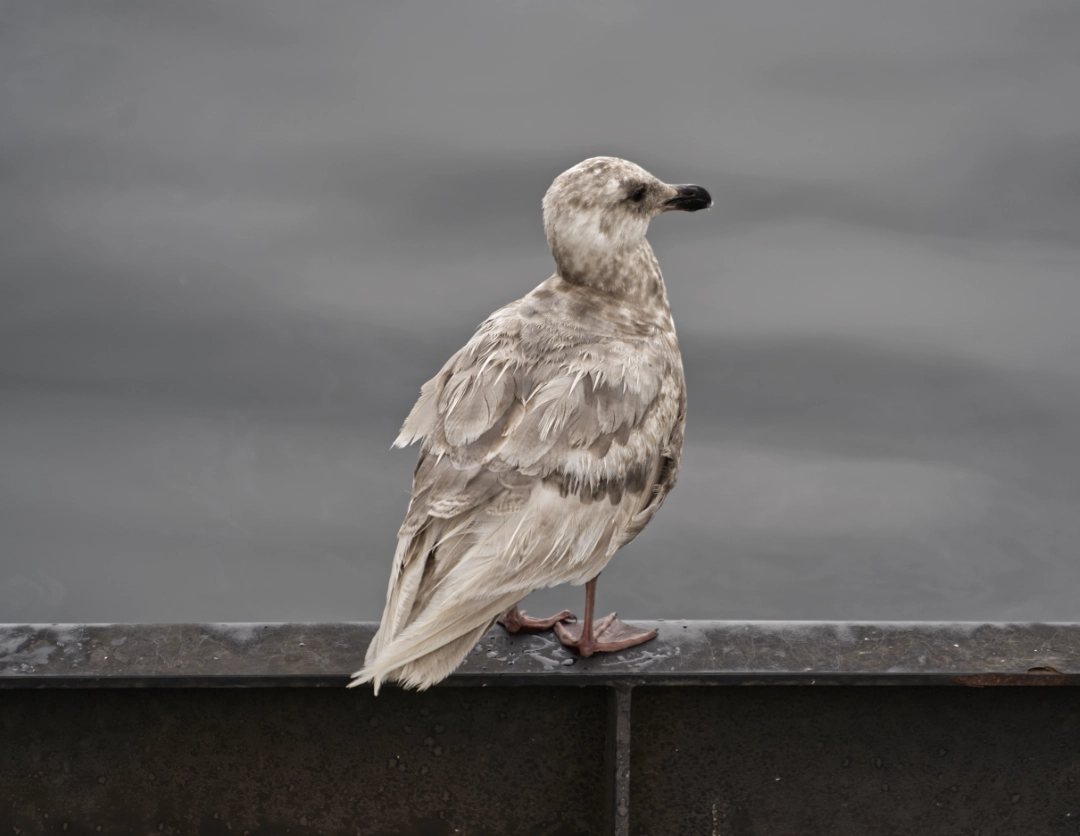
[422, 417]
[473, 401]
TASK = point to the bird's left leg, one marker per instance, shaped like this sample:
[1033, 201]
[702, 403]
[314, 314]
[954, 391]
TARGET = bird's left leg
[518, 621]
[606, 635]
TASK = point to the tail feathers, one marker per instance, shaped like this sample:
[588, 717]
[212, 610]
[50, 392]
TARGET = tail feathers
[403, 588]
[429, 649]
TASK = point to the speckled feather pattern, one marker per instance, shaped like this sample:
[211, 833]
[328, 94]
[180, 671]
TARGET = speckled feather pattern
[548, 441]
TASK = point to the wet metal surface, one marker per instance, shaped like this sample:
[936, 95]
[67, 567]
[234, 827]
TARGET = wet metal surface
[244, 729]
[689, 651]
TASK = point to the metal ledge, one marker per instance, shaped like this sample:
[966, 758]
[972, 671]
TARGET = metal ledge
[222, 741]
[685, 652]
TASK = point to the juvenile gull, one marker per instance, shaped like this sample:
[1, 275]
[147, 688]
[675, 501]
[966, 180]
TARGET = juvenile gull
[549, 441]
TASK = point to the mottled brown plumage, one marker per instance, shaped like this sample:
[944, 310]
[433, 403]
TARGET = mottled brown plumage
[550, 439]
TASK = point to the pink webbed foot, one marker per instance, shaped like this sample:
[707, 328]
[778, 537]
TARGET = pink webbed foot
[608, 634]
[518, 621]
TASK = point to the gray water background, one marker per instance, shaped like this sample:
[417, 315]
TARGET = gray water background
[235, 238]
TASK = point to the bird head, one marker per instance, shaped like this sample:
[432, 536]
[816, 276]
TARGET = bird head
[600, 209]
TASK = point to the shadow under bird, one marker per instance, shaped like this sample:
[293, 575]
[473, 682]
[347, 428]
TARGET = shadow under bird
[549, 441]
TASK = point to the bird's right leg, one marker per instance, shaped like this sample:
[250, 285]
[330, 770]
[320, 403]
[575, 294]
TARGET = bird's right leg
[606, 635]
[518, 621]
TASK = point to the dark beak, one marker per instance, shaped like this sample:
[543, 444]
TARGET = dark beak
[689, 199]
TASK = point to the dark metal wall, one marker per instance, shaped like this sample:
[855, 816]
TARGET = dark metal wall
[903, 761]
[303, 761]
[150, 729]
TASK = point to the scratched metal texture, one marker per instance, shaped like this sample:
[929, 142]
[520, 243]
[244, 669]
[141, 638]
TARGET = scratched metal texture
[685, 651]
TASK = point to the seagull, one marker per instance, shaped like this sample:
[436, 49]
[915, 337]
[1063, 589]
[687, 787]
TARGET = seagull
[549, 441]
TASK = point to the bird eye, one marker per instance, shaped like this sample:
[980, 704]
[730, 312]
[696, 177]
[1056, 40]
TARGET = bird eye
[638, 194]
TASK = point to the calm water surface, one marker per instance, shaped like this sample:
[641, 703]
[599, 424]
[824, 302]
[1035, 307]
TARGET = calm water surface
[234, 242]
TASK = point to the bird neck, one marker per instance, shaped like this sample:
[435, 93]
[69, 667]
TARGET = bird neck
[630, 273]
